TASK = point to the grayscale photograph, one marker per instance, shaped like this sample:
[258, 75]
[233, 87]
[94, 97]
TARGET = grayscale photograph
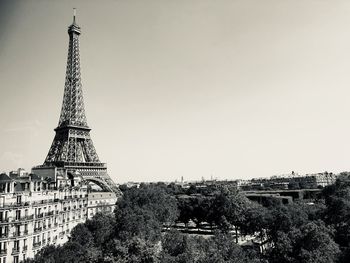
[174, 131]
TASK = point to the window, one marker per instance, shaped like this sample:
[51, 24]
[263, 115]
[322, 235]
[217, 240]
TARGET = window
[16, 245]
[18, 214]
[3, 247]
[19, 199]
[15, 259]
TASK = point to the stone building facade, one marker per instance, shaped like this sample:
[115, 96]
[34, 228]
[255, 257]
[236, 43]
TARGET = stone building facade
[38, 210]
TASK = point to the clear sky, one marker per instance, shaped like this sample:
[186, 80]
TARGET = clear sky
[193, 88]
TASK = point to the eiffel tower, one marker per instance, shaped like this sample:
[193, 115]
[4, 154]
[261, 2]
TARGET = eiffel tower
[72, 147]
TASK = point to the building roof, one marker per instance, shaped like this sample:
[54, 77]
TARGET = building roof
[5, 178]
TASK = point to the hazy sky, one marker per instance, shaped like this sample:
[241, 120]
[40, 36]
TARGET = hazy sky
[192, 88]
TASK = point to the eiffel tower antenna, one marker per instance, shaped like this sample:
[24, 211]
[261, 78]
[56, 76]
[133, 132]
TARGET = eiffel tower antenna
[74, 14]
[72, 147]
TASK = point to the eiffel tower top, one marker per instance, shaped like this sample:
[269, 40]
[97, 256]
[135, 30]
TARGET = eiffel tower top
[73, 111]
[74, 27]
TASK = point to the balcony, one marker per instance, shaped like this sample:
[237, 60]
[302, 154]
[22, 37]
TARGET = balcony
[15, 250]
[38, 229]
[36, 244]
[41, 215]
[14, 205]
[50, 213]
[4, 221]
[26, 218]
[21, 204]
[3, 252]
[16, 234]
[4, 235]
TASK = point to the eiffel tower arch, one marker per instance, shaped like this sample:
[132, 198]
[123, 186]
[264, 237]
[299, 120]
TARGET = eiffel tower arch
[72, 147]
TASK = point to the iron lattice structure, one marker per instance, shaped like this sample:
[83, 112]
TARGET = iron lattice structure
[72, 146]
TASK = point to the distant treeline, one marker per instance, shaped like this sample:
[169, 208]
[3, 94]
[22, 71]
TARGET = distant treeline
[317, 232]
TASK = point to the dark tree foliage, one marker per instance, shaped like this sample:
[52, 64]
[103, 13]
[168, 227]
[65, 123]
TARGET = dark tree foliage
[311, 243]
[142, 212]
[220, 248]
[337, 198]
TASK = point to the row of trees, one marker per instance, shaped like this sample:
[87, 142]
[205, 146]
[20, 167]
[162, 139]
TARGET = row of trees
[294, 233]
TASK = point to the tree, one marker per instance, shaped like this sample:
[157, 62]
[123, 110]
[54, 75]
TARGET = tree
[337, 214]
[232, 206]
[101, 227]
[142, 212]
[311, 243]
[81, 235]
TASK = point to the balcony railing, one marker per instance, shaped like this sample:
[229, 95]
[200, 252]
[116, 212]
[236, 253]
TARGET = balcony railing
[4, 220]
[4, 235]
[15, 250]
[36, 244]
[40, 215]
[24, 218]
[3, 251]
[14, 205]
[38, 229]
[50, 213]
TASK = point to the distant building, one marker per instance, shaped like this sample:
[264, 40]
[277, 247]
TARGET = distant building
[289, 181]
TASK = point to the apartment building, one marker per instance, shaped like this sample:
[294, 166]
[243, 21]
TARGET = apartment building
[37, 210]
